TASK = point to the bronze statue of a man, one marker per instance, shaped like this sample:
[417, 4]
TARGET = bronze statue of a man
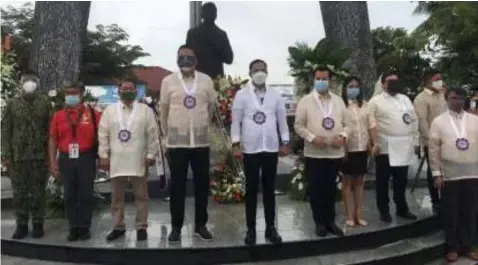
[210, 43]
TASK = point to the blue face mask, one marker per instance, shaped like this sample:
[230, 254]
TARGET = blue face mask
[353, 92]
[321, 85]
[72, 100]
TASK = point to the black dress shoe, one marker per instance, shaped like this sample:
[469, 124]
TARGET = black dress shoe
[115, 234]
[141, 234]
[72, 235]
[174, 237]
[407, 216]
[250, 238]
[37, 231]
[272, 235]
[321, 231]
[335, 230]
[84, 233]
[203, 233]
[386, 218]
[20, 232]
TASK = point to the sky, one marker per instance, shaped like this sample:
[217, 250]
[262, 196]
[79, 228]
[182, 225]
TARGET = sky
[256, 29]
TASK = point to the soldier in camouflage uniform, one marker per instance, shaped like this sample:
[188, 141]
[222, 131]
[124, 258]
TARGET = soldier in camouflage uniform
[24, 148]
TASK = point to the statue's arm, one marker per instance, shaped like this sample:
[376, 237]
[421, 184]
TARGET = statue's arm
[226, 50]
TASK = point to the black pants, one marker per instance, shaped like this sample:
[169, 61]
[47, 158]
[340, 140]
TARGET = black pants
[399, 184]
[459, 199]
[78, 176]
[260, 165]
[431, 182]
[180, 158]
[322, 176]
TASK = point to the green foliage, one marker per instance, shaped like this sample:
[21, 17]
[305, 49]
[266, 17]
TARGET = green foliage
[303, 59]
[106, 53]
[395, 48]
[453, 25]
[9, 82]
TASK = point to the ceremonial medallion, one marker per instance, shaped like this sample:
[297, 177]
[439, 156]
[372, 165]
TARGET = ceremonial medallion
[259, 117]
[407, 119]
[189, 102]
[462, 144]
[124, 136]
[328, 123]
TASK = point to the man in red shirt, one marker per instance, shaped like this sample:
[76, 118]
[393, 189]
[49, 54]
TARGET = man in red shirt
[73, 134]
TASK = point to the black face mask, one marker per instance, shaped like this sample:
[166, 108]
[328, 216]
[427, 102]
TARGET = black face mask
[186, 61]
[395, 87]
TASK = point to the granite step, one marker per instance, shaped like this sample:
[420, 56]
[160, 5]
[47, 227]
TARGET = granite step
[411, 251]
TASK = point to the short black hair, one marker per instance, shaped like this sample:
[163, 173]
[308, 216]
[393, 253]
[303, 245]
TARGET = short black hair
[127, 80]
[75, 85]
[457, 90]
[347, 80]
[428, 75]
[387, 74]
[256, 61]
[322, 68]
[185, 46]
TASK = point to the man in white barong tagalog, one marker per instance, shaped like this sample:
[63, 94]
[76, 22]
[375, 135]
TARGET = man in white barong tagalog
[397, 126]
[320, 121]
[128, 145]
[257, 112]
[453, 149]
[186, 107]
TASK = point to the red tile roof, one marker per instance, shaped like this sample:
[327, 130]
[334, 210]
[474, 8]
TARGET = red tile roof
[152, 76]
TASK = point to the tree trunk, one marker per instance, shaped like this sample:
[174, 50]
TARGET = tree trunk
[58, 39]
[347, 22]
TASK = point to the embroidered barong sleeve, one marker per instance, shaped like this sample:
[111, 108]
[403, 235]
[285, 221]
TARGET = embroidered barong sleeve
[434, 149]
[151, 135]
[164, 108]
[345, 129]
[212, 94]
[237, 115]
[300, 124]
[282, 120]
[372, 126]
[103, 134]
[415, 124]
[421, 110]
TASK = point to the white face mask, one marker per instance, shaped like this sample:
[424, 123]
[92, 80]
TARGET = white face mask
[473, 105]
[259, 78]
[438, 85]
[29, 86]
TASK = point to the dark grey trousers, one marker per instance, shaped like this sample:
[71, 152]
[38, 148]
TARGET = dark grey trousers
[459, 199]
[78, 177]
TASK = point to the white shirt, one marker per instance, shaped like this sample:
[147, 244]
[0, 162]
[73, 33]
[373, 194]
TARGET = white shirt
[388, 112]
[256, 138]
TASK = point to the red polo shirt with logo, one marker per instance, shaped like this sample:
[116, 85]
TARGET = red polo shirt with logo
[61, 130]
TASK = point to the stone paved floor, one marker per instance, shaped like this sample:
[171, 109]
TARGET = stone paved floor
[226, 222]
[8, 260]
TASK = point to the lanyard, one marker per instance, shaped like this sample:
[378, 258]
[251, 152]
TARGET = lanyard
[120, 117]
[259, 105]
[72, 124]
[462, 133]
[193, 89]
[400, 104]
[321, 106]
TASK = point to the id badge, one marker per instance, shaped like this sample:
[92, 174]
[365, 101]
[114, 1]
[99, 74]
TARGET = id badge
[74, 151]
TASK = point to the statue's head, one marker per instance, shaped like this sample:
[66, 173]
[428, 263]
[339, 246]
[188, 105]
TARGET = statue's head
[209, 13]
